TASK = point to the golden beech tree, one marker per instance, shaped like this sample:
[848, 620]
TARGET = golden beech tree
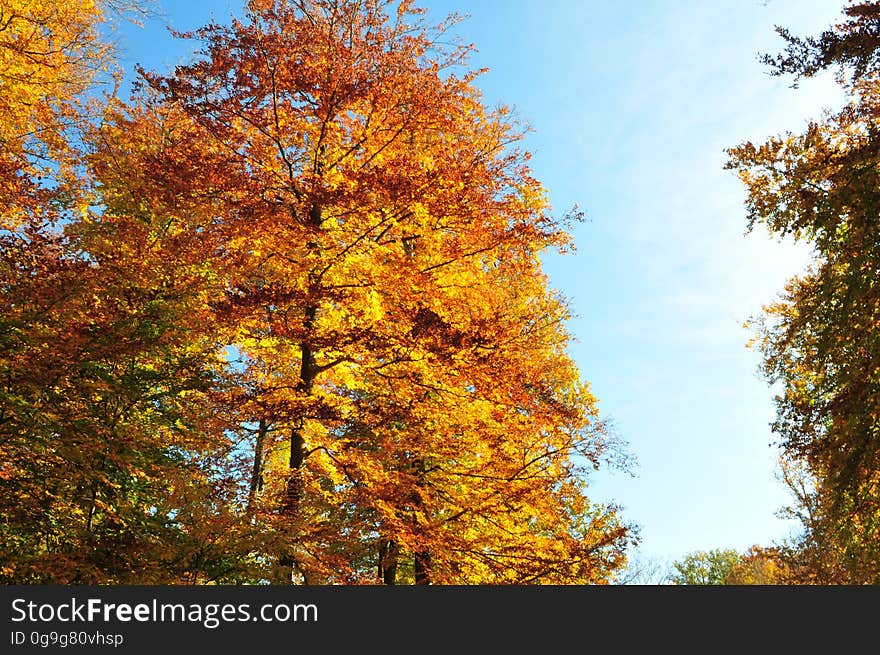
[402, 361]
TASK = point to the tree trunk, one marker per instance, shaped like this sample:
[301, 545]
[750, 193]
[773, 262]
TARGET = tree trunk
[257, 470]
[423, 566]
[389, 551]
[293, 493]
[421, 558]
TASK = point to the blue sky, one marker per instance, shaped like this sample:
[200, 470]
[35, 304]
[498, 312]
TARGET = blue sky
[632, 105]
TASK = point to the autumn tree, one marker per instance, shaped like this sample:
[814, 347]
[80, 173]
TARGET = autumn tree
[759, 566]
[111, 455]
[49, 56]
[821, 339]
[403, 378]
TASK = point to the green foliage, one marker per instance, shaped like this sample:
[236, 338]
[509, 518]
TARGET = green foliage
[705, 567]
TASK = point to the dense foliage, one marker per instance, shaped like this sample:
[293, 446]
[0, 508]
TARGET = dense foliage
[281, 316]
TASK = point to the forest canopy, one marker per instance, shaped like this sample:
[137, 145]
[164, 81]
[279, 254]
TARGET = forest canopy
[279, 314]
